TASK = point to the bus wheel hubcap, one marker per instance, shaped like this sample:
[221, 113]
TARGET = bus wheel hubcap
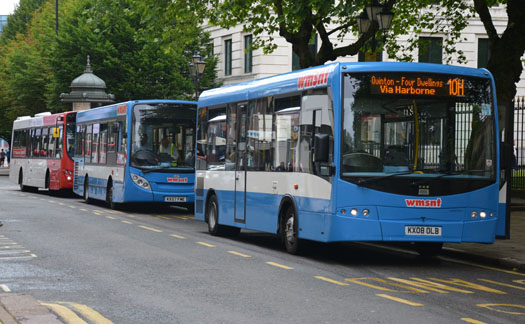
[290, 237]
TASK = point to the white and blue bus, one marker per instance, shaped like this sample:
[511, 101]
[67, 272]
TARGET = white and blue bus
[137, 151]
[353, 152]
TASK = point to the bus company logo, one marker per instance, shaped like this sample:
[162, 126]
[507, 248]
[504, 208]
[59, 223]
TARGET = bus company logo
[176, 179]
[313, 80]
[121, 110]
[430, 203]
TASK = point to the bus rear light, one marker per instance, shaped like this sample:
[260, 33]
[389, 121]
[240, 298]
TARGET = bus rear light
[140, 181]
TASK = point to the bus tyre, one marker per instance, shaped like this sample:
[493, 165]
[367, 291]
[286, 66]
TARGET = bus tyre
[428, 249]
[289, 232]
[212, 216]
[86, 190]
[21, 181]
[109, 198]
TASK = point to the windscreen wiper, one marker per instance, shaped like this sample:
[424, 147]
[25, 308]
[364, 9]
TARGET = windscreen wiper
[374, 179]
[445, 174]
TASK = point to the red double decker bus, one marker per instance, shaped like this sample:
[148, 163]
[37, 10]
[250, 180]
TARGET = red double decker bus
[42, 150]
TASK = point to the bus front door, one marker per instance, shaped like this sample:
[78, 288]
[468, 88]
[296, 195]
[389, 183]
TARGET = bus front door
[240, 169]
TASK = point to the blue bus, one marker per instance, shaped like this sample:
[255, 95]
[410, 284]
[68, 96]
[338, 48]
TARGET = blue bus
[136, 151]
[353, 152]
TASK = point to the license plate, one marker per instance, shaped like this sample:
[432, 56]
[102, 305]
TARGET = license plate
[175, 199]
[423, 230]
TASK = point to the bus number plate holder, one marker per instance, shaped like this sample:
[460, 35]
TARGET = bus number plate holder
[423, 230]
[175, 199]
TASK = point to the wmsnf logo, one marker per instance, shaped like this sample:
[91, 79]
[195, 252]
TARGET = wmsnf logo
[430, 203]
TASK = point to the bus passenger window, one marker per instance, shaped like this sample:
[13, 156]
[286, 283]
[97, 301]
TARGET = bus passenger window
[52, 145]
[103, 143]
[87, 142]
[123, 140]
[36, 142]
[94, 143]
[59, 140]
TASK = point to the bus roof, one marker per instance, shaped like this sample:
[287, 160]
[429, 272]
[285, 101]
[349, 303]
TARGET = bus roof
[321, 76]
[119, 109]
[41, 119]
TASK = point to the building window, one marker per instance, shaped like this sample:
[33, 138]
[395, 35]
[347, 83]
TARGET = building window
[248, 55]
[483, 52]
[369, 56]
[228, 57]
[431, 49]
[312, 46]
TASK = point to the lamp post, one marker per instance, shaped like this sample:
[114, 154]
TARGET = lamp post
[376, 16]
[197, 66]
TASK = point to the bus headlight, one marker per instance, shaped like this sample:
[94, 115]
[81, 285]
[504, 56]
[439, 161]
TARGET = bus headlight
[140, 181]
[354, 212]
[483, 214]
[474, 214]
[366, 212]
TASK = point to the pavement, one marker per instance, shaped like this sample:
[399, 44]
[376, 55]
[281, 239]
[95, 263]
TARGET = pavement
[24, 309]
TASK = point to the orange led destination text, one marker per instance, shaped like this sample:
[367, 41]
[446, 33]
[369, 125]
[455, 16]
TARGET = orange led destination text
[417, 86]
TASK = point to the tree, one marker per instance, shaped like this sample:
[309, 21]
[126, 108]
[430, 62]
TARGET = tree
[333, 21]
[18, 22]
[137, 57]
[139, 53]
[506, 50]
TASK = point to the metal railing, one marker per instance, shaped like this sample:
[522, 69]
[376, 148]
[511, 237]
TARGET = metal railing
[518, 172]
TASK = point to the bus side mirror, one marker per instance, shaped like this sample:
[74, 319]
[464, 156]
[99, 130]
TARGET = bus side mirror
[321, 148]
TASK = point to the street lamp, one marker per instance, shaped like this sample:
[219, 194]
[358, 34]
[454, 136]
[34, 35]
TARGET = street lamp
[375, 15]
[197, 66]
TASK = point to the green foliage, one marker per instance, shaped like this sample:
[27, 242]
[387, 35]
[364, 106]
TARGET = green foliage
[133, 47]
[18, 22]
[138, 48]
[334, 21]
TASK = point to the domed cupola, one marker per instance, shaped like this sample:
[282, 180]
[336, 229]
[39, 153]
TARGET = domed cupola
[87, 91]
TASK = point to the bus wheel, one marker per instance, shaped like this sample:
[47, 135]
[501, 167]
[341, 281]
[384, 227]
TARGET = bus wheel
[212, 216]
[428, 249]
[289, 232]
[109, 197]
[21, 181]
[86, 190]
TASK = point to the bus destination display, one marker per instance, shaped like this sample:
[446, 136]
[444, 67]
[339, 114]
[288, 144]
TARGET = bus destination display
[400, 84]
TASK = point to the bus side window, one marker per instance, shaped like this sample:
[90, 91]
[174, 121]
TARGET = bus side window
[215, 149]
[44, 152]
[79, 139]
[123, 142]
[94, 143]
[29, 141]
[259, 139]
[87, 144]
[36, 142]
[202, 138]
[286, 138]
[59, 140]
[52, 144]
[103, 143]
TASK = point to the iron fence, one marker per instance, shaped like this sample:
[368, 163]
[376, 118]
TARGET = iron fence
[518, 172]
